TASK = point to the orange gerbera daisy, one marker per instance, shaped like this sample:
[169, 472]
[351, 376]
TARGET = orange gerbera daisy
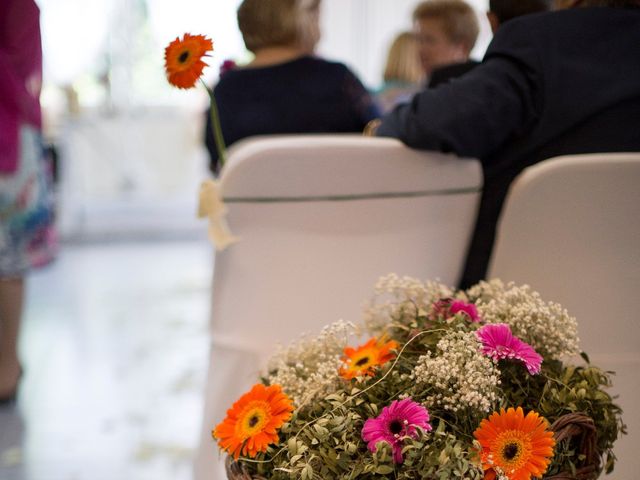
[519, 446]
[364, 359]
[183, 59]
[252, 423]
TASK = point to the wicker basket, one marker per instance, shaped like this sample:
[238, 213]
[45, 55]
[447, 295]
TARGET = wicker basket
[581, 428]
[235, 471]
[574, 425]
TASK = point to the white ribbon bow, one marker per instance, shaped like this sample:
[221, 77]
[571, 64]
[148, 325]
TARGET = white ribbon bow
[211, 205]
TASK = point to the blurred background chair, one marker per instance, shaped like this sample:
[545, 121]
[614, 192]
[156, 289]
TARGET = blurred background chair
[321, 218]
[571, 230]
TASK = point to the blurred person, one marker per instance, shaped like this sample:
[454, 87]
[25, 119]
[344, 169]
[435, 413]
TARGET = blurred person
[554, 83]
[286, 89]
[403, 73]
[500, 11]
[447, 31]
[25, 211]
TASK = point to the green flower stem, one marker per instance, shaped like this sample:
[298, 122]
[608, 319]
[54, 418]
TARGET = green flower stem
[215, 126]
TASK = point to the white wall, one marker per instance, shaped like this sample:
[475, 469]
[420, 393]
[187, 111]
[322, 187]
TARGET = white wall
[356, 32]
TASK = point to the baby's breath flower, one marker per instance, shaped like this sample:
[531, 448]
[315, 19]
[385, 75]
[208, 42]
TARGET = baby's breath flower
[401, 299]
[460, 374]
[308, 368]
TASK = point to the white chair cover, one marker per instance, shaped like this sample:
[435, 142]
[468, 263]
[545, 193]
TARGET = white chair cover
[571, 230]
[321, 218]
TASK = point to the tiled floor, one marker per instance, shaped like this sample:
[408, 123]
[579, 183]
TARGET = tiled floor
[114, 346]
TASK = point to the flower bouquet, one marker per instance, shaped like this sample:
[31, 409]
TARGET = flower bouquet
[471, 384]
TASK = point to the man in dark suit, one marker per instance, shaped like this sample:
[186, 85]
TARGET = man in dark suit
[565, 82]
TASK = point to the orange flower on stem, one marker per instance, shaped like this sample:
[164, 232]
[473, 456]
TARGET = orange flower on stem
[364, 359]
[253, 421]
[183, 59]
[184, 65]
[519, 446]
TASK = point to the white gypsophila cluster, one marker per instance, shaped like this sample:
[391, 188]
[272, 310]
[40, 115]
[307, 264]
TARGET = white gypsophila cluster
[462, 376]
[484, 291]
[308, 368]
[400, 299]
[546, 326]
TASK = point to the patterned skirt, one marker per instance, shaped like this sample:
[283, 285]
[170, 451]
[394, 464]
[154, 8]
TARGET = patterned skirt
[27, 237]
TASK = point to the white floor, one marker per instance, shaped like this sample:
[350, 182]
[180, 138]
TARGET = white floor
[114, 347]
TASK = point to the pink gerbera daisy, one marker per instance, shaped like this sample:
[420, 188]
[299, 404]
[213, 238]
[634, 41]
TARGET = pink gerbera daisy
[469, 309]
[395, 423]
[448, 307]
[499, 343]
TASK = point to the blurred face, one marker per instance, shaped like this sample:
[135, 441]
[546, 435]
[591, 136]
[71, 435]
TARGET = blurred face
[434, 47]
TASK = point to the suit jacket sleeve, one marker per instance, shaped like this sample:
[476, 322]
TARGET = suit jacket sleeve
[473, 116]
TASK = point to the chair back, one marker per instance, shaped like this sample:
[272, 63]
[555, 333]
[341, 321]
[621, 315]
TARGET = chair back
[571, 230]
[321, 218]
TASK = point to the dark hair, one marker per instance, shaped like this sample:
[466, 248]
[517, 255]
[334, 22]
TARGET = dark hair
[611, 3]
[505, 10]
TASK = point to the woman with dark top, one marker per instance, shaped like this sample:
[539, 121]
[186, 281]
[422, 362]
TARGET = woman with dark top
[286, 89]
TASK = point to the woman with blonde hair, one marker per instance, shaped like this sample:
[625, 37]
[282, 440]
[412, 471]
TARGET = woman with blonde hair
[403, 74]
[285, 88]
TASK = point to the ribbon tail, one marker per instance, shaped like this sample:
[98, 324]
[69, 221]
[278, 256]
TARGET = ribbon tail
[220, 234]
[211, 205]
[210, 202]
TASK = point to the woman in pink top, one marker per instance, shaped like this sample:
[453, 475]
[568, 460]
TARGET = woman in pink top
[25, 207]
